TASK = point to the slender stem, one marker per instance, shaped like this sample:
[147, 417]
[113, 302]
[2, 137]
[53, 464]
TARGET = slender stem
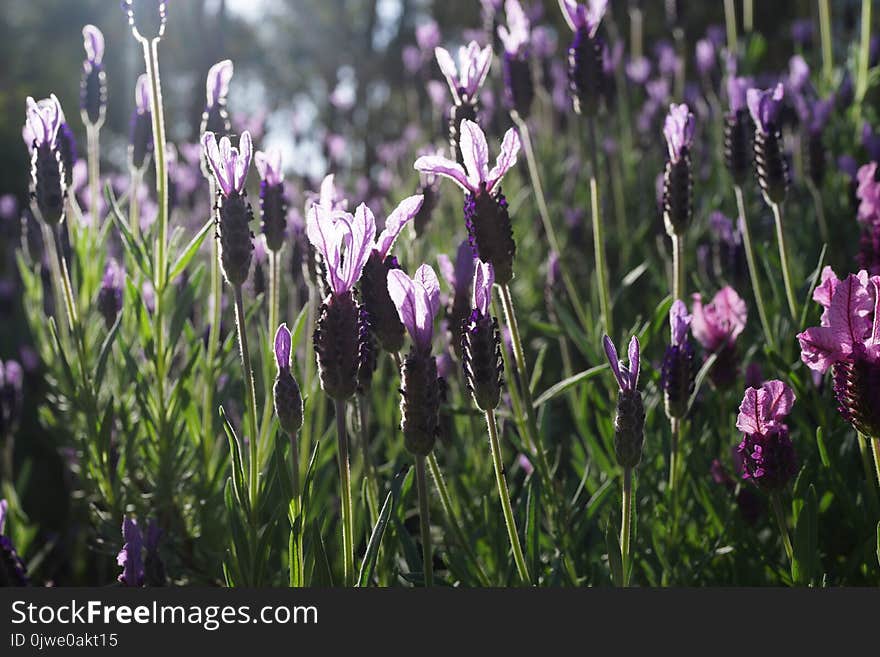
[864, 60]
[598, 230]
[783, 257]
[251, 394]
[424, 521]
[59, 299]
[504, 495]
[675, 428]
[825, 35]
[873, 502]
[748, 16]
[273, 291]
[730, 22]
[783, 527]
[134, 207]
[678, 267]
[626, 508]
[151, 58]
[875, 447]
[298, 496]
[64, 275]
[93, 133]
[215, 305]
[370, 474]
[544, 213]
[345, 494]
[446, 503]
[635, 22]
[753, 269]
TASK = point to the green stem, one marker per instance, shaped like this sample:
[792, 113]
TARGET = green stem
[753, 269]
[748, 16]
[504, 495]
[730, 22]
[296, 567]
[783, 527]
[250, 391]
[677, 267]
[151, 58]
[864, 60]
[626, 509]
[372, 500]
[864, 441]
[675, 428]
[825, 35]
[446, 503]
[215, 304]
[875, 447]
[598, 230]
[134, 208]
[544, 213]
[93, 133]
[783, 257]
[273, 292]
[424, 521]
[345, 494]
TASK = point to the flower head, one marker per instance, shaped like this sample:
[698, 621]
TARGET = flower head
[679, 323]
[396, 221]
[627, 376]
[93, 41]
[417, 300]
[230, 165]
[515, 36]
[345, 242]
[765, 106]
[282, 348]
[465, 79]
[43, 120]
[269, 166]
[763, 410]
[583, 16]
[679, 130]
[475, 176]
[766, 451]
[705, 56]
[719, 323]
[217, 85]
[737, 90]
[130, 557]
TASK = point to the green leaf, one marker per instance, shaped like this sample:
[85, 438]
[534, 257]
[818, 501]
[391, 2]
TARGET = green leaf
[533, 528]
[814, 280]
[131, 245]
[538, 368]
[190, 251]
[804, 565]
[823, 451]
[701, 376]
[238, 481]
[106, 348]
[612, 544]
[369, 562]
[558, 388]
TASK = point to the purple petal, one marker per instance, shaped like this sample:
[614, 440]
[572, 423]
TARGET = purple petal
[215, 160]
[506, 159]
[282, 347]
[402, 292]
[217, 85]
[679, 322]
[634, 362]
[93, 41]
[242, 161]
[484, 278]
[777, 400]
[464, 267]
[748, 420]
[518, 34]
[426, 277]
[449, 70]
[678, 130]
[363, 234]
[447, 269]
[3, 506]
[474, 152]
[269, 166]
[611, 353]
[395, 222]
[819, 349]
[325, 231]
[737, 89]
[142, 94]
[441, 166]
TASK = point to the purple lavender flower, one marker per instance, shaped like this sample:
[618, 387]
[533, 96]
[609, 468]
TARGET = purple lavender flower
[93, 88]
[417, 301]
[459, 277]
[678, 180]
[215, 118]
[285, 392]
[585, 70]
[110, 295]
[770, 163]
[140, 143]
[146, 18]
[705, 57]
[679, 131]
[629, 422]
[768, 456]
[466, 79]
[765, 106]
[798, 75]
[515, 36]
[13, 571]
[485, 207]
[273, 201]
[481, 344]
[230, 168]
[48, 180]
[677, 380]
[716, 326]
[638, 70]
[871, 142]
[130, 557]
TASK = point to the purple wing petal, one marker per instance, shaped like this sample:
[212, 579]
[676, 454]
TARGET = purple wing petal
[777, 400]
[449, 70]
[570, 13]
[242, 161]
[474, 152]
[217, 85]
[679, 322]
[484, 278]
[93, 40]
[506, 158]
[849, 315]
[441, 166]
[363, 234]
[427, 278]
[748, 421]
[402, 292]
[215, 160]
[819, 349]
[282, 347]
[613, 360]
[142, 93]
[395, 222]
[634, 362]
[447, 269]
[325, 232]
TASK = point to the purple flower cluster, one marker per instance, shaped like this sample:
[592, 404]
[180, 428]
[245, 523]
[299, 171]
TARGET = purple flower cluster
[768, 456]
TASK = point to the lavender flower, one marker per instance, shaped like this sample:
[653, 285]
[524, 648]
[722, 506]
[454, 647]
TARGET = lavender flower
[230, 168]
[130, 557]
[871, 142]
[585, 53]
[93, 89]
[770, 164]
[798, 75]
[273, 201]
[705, 57]
[677, 380]
[768, 456]
[485, 207]
[344, 242]
[716, 326]
[465, 81]
[417, 301]
[629, 421]
[819, 112]
[146, 18]
[140, 143]
[110, 294]
[518, 84]
[481, 344]
[13, 571]
[285, 392]
[738, 131]
[11, 397]
[459, 277]
[678, 180]
[48, 186]
[215, 118]
[377, 304]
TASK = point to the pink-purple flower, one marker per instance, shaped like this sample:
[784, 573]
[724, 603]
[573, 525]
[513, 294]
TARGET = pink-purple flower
[765, 106]
[417, 300]
[345, 241]
[468, 76]
[679, 130]
[130, 557]
[229, 164]
[43, 120]
[627, 375]
[583, 16]
[719, 323]
[767, 454]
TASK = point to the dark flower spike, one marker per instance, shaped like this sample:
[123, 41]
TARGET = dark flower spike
[629, 422]
[130, 557]
[481, 344]
[516, 38]
[765, 106]
[48, 183]
[215, 117]
[286, 393]
[93, 89]
[485, 207]
[770, 164]
[768, 456]
[146, 18]
[677, 380]
[141, 138]
[273, 201]
[417, 300]
[738, 131]
[678, 180]
[585, 69]
[110, 295]
[466, 79]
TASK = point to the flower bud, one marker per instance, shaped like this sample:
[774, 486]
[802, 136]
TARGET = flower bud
[337, 346]
[518, 84]
[585, 72]
[235, 235]
[110, 295]
[481, 359]
[419, 403]
[285, 393]
[629, 428]
[771, 167]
